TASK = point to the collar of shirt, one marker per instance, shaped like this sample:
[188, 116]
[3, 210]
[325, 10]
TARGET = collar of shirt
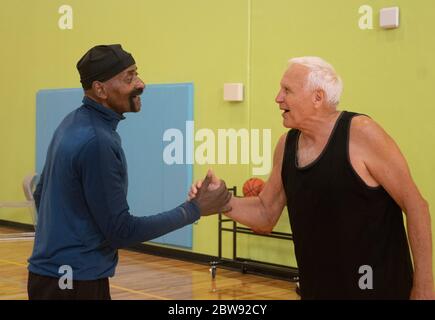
[106, 113]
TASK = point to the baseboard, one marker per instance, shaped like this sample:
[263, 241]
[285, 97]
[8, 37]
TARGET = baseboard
[17, 225]
[244, 265]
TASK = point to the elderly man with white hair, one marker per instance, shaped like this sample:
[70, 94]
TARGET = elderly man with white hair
[345, 184]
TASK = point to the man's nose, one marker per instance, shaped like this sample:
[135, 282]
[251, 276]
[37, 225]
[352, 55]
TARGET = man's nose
[279, 97]
[140, 84]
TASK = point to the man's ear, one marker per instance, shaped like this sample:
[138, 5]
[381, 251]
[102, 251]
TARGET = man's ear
[318, 97]
[99, 90]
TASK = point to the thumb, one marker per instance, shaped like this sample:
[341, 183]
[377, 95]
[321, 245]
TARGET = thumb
[214, 178]
[206, 181]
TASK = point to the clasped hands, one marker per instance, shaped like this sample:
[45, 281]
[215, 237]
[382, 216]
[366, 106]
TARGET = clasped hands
[210, 195]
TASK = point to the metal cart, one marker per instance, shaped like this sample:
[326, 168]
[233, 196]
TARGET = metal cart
[248, 265]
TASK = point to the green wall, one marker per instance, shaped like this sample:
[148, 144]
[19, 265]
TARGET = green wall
[387, 74]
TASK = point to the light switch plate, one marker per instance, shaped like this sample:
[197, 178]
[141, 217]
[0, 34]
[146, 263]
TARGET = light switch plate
[233, 91]
[389, 18]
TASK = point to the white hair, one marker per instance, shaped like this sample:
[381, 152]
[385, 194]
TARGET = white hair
[321, 76]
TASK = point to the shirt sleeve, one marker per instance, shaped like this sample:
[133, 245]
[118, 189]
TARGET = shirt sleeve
[101, 171]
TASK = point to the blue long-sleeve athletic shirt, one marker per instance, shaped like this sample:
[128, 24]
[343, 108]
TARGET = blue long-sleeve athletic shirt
[81, 199]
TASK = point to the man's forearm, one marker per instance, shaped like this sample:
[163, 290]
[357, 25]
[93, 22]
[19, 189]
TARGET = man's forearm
[420, 238]
[250, 212]
[126, 229]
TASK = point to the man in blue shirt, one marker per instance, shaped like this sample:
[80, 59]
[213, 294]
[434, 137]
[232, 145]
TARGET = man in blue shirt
[81, 197]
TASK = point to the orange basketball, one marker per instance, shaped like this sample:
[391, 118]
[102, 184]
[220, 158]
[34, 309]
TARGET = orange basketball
[253, 187]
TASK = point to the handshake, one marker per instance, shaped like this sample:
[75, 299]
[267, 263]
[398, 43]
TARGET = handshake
[210, 195]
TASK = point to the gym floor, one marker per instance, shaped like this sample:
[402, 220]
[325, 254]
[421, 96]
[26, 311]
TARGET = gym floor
[141, 276]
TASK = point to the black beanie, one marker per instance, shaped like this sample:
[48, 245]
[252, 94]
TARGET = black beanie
[102, 63]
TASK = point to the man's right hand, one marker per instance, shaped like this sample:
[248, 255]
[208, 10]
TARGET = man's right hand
[214, 184]
[212, 196]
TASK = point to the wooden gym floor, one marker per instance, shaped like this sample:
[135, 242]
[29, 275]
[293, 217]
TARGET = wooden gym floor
[145, 277]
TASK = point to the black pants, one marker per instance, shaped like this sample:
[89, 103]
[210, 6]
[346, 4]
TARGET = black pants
[47, 288]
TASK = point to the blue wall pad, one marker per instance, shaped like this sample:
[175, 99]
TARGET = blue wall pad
[154, 186]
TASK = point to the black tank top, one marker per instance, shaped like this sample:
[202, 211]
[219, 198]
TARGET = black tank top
[340, 224]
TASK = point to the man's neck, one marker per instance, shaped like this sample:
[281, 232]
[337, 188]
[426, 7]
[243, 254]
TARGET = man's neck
[99, 101]
[318, 128]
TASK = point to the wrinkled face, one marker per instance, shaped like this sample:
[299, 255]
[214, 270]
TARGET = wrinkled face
[123, 91]
[293, 98]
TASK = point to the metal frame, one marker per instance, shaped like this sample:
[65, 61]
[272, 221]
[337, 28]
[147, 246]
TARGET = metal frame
[247, 265]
